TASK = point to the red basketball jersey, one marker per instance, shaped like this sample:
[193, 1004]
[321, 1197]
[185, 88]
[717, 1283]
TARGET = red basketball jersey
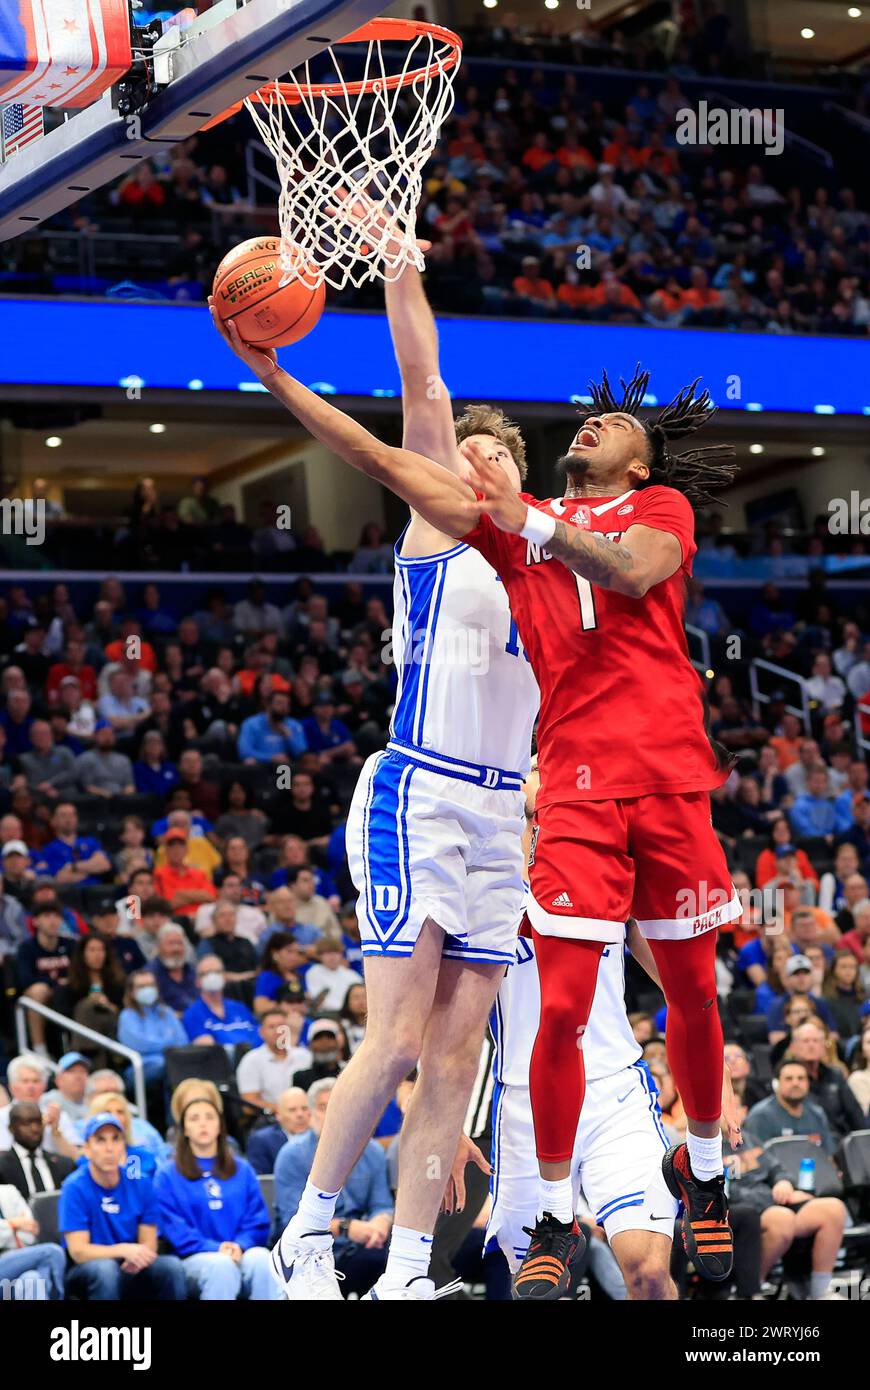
[621, 704]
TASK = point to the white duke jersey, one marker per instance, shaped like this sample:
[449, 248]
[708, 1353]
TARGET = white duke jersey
[608, 1043]
[465, 686]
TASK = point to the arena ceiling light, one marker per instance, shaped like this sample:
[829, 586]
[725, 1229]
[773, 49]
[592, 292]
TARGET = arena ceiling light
[817, 451]
[808, 33]
[551, 4]
[853, 12]
[756, 448]
[157, 429]
[489, 4]
[54, 441]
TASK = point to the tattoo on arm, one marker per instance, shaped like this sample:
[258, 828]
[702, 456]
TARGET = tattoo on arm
[590, 554]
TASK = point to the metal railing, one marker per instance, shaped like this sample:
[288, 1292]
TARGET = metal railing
[801, 711]
[701, 641]
[70, 1026]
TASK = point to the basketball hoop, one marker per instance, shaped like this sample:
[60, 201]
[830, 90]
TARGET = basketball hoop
[350, 152]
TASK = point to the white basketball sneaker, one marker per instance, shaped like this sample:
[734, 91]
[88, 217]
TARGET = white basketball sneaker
[419, 1290]
[305, 1268]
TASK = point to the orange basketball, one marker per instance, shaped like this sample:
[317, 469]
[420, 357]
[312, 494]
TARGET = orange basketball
[247, 289]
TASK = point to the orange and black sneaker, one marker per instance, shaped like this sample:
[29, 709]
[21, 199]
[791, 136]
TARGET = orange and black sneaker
[545, 1273]
[707, 1236]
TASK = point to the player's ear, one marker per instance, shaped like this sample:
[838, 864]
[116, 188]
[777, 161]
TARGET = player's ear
[639, 471]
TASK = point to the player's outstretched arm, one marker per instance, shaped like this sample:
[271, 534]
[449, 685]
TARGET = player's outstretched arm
[444, 500]
[644, 557]
[426, 408]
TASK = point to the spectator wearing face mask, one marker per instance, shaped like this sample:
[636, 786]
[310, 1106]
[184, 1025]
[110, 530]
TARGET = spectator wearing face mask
[148, 1026]
[328, 1046]
[211, 1210]
[212, 1018]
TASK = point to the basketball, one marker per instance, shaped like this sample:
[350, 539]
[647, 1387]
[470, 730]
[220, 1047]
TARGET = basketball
[247, 289]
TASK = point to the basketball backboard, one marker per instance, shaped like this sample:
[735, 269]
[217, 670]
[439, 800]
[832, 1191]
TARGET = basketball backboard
[235, 49]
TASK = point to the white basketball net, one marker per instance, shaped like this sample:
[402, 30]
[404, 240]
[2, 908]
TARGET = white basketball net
[350, 163]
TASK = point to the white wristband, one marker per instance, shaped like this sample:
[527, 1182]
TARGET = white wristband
[539, 527]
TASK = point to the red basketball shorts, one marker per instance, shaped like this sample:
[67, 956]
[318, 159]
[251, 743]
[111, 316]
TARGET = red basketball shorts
[656, 858]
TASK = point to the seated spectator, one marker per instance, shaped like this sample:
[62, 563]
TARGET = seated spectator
[94, 990]
[71, 857]
[790, 1110]
[200, 853]
[826, 689]
[120, 707]
[70, 1079]
[237, 863]
[48, 769]
[798, 772]
[236, 954]
[241, 818]
[329, 979]
[253, 616]
[29, 1269]
[153, 773]
[854, 892]
[141, 1158]
[282, 960]
[134, 853]
[796, 979]
[72, 667]
[832, 897]
[859, 1077]
[104, 771]
[24, 1161]
[532, 286]
[210, 1208]
[173, 973]
[856, 939]
[153, 913]
[109, 1222]
[829, 1088]
[105, 1082]
[212, 1018]
[853, 819]
[373, 555]
[272, 737]
[148, 1026]
[295, 855]
[364, 1212]
[771, 987]
[292, 1116]
[328, 736]
[813, 811]
[26, 1080]
[766, 865]
[13, 928]
[250, 922]
[17, 878]
[265, 1072]
[204, 793]
[16, 721]
[328, 1046]
[314, 917]
[353, 1015]
[179, 882]
[41, 965]
[844, 993]
[760, 1182]
[302, 813]
[747, 1088]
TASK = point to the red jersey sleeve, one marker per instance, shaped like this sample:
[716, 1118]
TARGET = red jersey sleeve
[665, 509]
[500, 548]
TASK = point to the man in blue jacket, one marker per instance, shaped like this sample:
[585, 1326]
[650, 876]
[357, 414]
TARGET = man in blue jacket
[272, 737]
[109, 1224]
[364, 1214]
[212, 1018]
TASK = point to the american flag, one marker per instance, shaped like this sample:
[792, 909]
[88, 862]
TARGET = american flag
[20, 125]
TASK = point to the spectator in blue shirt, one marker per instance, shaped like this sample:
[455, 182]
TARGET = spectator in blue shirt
[153, 773]
[109, 1224]
[148, 1026]
[70, 857]
[15, 720]
[326, 735]
[292, 1117]
[211, 1210]
[282, 962]
[272, 737]
[814, 813]
[364, 1214]
[173, 973]
[213, 1018]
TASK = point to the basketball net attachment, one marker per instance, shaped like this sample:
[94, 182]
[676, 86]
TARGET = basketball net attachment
[350, 151]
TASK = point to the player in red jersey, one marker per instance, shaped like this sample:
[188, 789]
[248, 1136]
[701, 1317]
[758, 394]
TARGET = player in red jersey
[623, 822]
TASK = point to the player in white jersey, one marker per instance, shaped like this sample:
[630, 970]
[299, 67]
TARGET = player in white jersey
[617, 1159]
[433, 841]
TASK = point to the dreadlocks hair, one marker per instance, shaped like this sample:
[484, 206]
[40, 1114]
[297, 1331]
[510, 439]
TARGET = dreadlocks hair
[487, 419]
[697, 473]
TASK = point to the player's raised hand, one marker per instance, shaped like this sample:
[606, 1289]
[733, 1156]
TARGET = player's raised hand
[262, 361]
[359, 211]
[499, 500]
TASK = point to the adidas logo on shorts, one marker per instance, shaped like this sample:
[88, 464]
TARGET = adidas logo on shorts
[562, 901]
